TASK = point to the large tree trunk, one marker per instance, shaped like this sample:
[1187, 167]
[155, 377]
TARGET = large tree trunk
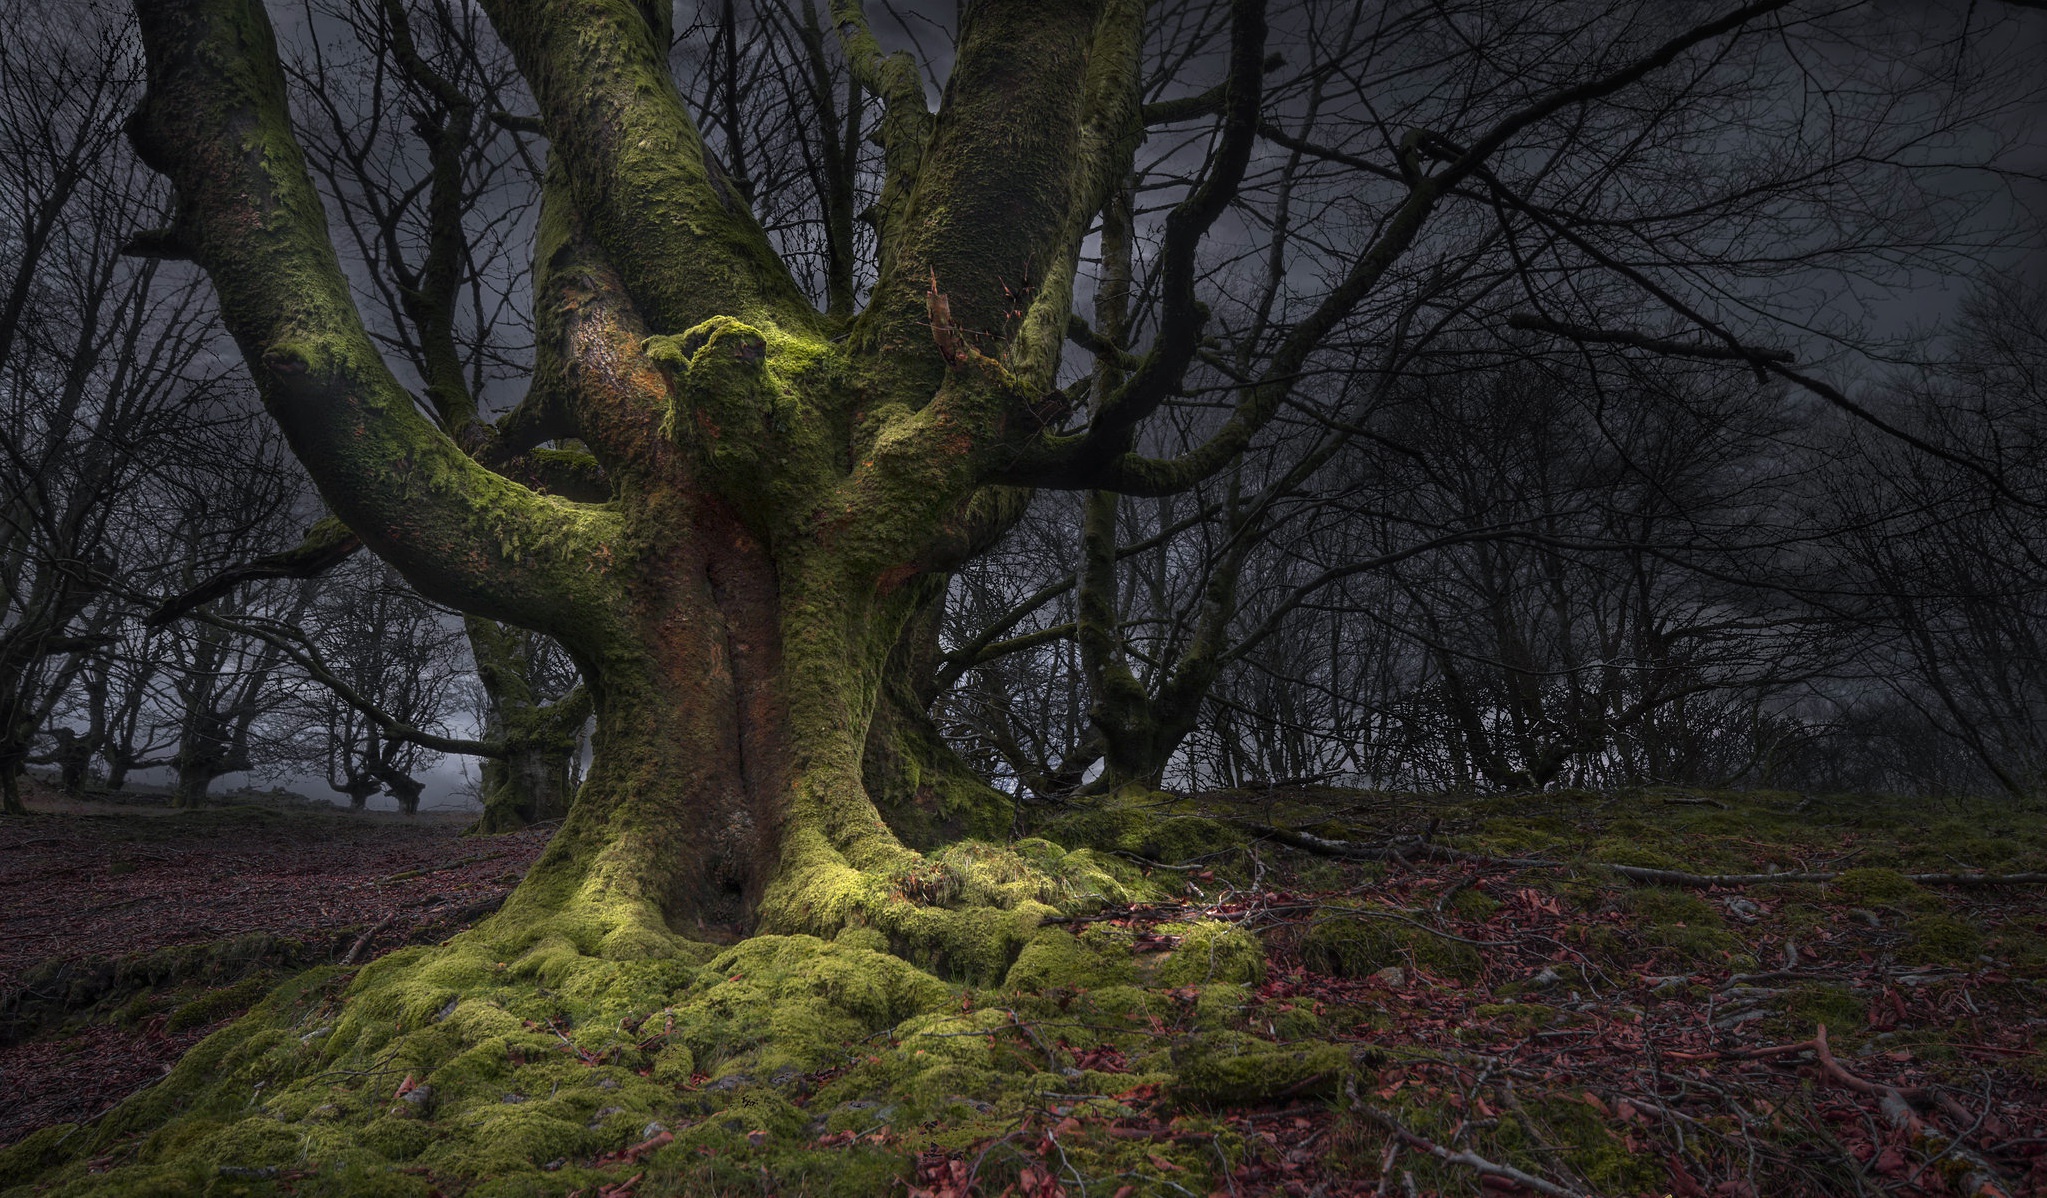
[194, 780]
[732, 701]
[779, 481]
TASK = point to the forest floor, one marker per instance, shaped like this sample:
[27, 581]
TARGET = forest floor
[1520, 1012]
[131, 930]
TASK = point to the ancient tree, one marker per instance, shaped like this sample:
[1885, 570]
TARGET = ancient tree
[785, 487]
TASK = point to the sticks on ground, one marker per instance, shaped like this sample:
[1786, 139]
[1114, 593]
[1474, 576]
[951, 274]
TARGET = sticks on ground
[1465, 1159]
[1409, 847]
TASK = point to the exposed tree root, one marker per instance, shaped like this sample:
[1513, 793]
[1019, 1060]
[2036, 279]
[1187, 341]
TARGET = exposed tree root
[1900, 1109]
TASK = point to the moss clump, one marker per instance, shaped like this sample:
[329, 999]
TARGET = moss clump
[1835, 1006]
[1223, 1068]
[1589, 1146]
[1366, 939]
[1213, 951]
[964, 912]
[57, 990]
[1881, 886]
[217, 1004]
[1056, 958]
[795, 1001]
[1619, 851]
[1524, 1017]
[1473, 903]
[1152, 829]
[36, 1151]
[1684, 923]
[1942, 939]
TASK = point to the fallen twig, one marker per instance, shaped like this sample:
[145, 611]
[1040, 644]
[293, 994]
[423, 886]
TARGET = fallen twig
[363, 941]
[1466, 1158]
[1403, 848]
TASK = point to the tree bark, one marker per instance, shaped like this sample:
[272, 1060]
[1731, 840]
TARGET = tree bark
[779, 481]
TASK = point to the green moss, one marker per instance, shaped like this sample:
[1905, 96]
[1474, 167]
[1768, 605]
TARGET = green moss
[1835, 1006]
[1942, 939]
[217, 1004]
[1366, 939]
[36, 1151]
[1212, 951]
[1522, 1017]
[1221, 1068]
[1880, 886]
[1149, 828]
[1587, 1144]
[1621, 851]
[1684, 923]
[1056, 958]
[1472, 903]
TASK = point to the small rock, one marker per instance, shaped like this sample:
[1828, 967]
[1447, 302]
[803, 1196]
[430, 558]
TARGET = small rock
[418, 1095]
[448, 1010]
[607, 1083]
[652, 1129]
[1392, 975]
[556, 1163]
[515, 1098]
[316, 1034]
[1544, 980]
[727, 1084]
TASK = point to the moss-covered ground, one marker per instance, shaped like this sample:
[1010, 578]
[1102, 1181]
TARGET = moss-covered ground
[1228, 1016]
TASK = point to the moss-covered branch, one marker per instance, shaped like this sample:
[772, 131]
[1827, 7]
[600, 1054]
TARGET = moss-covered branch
[905, 117]
[681, 238]
[217, 122]
[991, 221]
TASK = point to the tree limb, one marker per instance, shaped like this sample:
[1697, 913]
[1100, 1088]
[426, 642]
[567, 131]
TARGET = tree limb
[216, 121]
[685, 244]
[328, 543]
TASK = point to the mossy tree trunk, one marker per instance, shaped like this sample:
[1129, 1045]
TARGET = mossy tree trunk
[779, 479]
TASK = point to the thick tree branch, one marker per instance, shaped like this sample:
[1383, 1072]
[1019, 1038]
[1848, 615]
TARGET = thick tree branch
[905, 118]
[683, 241]
[994, 216]
[217, 122]
[1181, 315]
